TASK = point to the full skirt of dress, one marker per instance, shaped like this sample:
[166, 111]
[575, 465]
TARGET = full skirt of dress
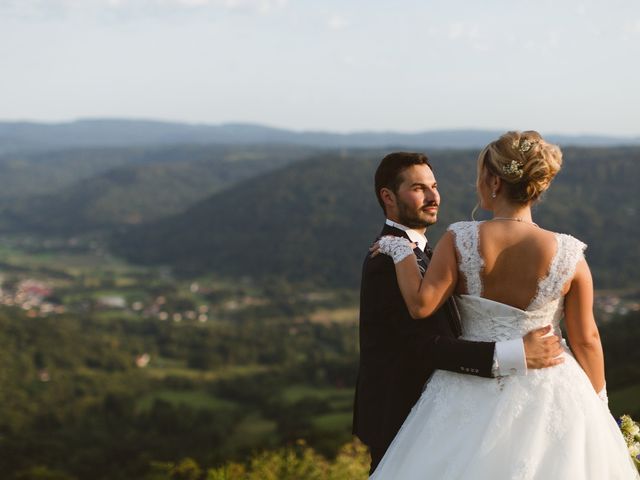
[546, 425]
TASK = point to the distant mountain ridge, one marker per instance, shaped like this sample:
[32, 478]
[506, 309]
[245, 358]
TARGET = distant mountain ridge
[30, 136]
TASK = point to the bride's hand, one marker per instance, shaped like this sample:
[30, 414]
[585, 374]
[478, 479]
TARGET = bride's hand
[397, 248]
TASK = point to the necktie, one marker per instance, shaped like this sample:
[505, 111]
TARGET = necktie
[428, 251]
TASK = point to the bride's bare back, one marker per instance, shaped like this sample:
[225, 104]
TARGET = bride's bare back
[516, 255]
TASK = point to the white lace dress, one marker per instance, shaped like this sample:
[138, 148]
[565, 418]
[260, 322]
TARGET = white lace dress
[547, 425]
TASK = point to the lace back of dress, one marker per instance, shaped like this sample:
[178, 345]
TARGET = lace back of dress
[569, 252]
[471, 263]
[563, 266]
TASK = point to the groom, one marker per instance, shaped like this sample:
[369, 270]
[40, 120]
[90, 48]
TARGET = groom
[398, 353]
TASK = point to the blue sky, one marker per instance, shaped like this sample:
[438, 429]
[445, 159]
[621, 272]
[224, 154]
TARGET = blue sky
[556, 66]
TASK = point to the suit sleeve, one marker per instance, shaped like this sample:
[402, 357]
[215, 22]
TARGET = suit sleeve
[461, 356]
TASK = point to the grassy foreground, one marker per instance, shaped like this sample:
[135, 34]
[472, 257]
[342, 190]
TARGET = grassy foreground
[290, 463]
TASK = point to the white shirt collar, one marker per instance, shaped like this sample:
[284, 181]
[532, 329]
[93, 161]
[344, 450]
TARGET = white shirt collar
[413, 235]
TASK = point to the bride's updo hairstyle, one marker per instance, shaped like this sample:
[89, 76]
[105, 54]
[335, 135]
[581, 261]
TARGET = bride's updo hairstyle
[525, 163]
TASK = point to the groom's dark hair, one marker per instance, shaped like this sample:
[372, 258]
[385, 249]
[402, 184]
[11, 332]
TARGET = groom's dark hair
[389, 172]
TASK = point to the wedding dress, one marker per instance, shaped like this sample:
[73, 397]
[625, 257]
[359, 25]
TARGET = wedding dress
[547, 425]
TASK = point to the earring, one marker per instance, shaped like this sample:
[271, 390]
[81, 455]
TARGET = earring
[493, 194]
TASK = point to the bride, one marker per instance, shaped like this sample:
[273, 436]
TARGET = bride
[509, 276]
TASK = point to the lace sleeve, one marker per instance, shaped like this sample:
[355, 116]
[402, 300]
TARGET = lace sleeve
[563, 268]
[471, 263]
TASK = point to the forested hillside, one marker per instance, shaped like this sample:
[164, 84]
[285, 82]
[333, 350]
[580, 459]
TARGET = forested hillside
[313, 221]
[78, 191]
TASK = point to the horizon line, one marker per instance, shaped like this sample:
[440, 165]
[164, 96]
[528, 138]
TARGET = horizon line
[158, 120]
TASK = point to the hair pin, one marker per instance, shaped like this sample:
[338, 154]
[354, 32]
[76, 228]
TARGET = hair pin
[514, 168]
[523, 145]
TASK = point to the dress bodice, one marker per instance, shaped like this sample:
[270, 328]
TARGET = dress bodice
[487, 320]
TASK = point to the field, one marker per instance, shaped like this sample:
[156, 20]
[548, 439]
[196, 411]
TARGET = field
[199, 367]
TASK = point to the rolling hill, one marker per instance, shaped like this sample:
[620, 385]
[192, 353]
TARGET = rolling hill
[83, 190]
[313, 221]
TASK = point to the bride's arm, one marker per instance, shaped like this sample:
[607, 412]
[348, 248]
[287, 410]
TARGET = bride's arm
[582, 330]
[424, 296]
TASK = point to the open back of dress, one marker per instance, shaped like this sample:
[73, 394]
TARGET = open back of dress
[488, 320]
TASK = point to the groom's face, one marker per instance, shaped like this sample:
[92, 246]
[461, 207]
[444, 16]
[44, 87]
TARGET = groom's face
[417, 198]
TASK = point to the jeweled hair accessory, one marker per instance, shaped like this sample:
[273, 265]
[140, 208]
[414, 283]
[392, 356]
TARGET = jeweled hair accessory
[514, 168]
[523, 145]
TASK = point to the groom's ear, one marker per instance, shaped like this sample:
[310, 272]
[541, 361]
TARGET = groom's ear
[388, 198]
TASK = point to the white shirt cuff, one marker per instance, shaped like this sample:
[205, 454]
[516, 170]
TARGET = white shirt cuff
[509, 358]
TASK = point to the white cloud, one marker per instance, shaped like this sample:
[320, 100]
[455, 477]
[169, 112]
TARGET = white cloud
[348, 60]
[468, 33]
[44, 7]
[481, 46]
[337, 22]
[463, 30]
[189, 3]
[263, 6]
[633, 27]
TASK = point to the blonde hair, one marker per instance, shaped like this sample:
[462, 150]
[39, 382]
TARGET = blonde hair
[524, 161]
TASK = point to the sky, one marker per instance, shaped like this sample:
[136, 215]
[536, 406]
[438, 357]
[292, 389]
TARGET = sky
[351, 65]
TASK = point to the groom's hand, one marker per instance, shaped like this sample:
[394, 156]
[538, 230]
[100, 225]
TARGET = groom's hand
[541, 349]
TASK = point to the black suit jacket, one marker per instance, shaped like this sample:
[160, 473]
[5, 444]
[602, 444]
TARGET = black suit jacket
[399, 353]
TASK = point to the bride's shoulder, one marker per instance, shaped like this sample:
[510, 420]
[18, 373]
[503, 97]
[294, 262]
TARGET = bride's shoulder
[569, 242]
[464, 236]
[469, 225]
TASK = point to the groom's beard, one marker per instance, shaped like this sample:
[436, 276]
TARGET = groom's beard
[419, 218]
